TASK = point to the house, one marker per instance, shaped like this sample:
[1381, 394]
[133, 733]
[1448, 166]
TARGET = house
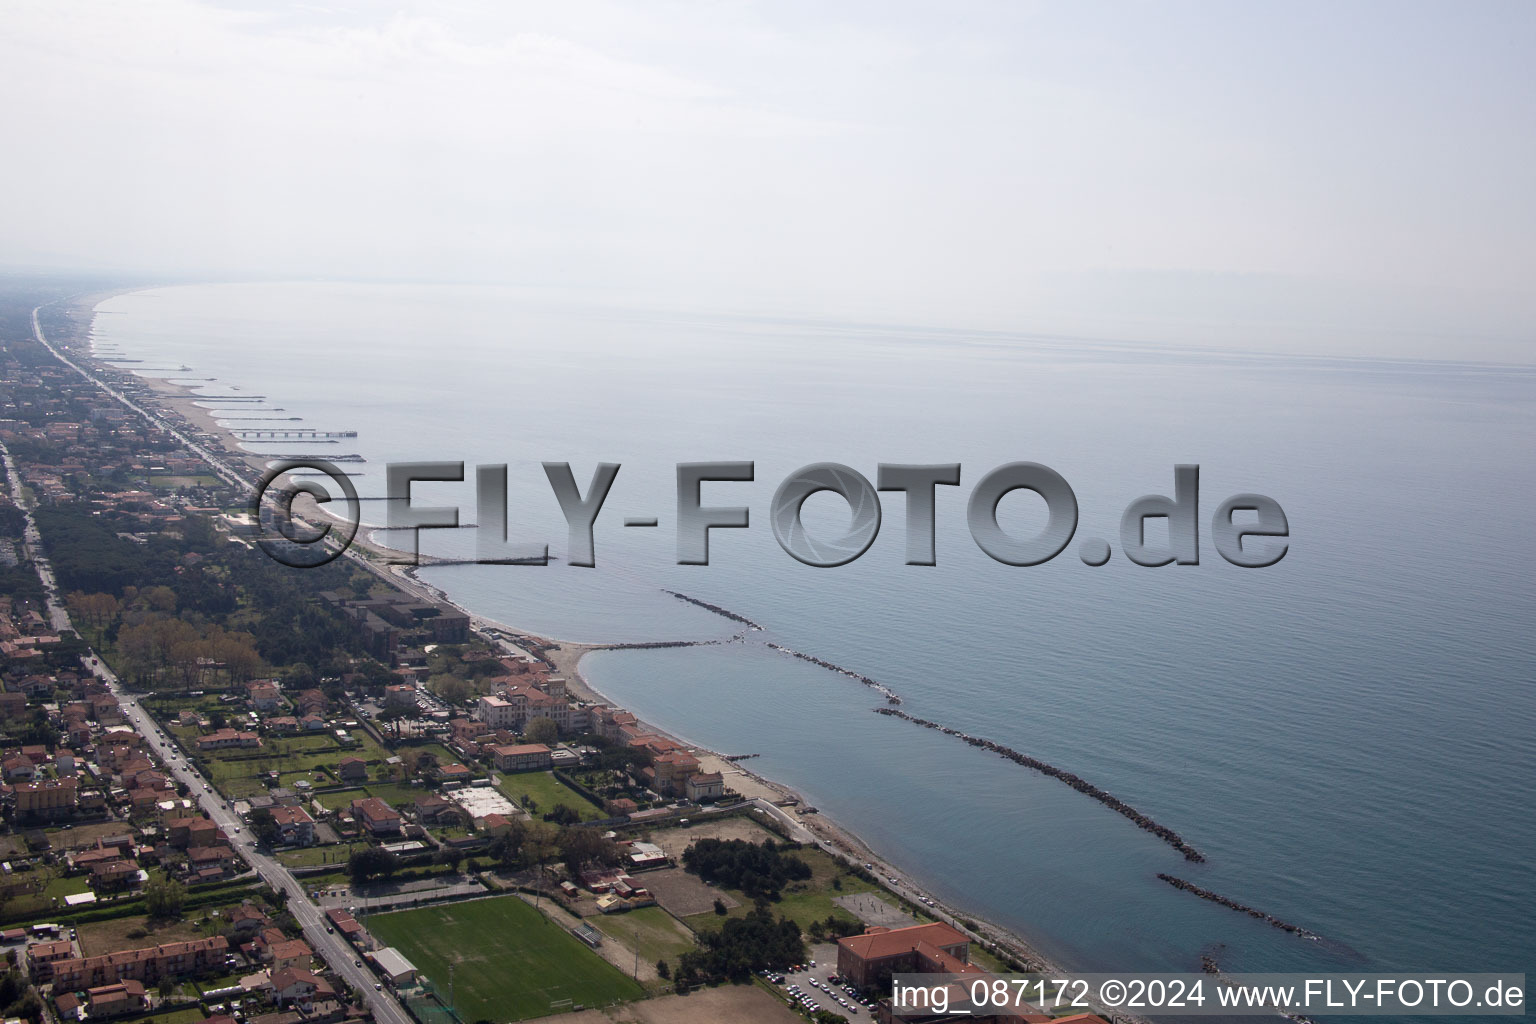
[190, 831]
[264, 696]
[298, 985]
[704, 786]
[352, 769]
[400, 696]
[312, 702]
[376, 816]
[223, 739]
[454, 774]
[111, 875]
[466, 729]
[434, 810]
[283, 724]
[19, 768]
[246, 920]
[211, 863]
[294, 826]
[291, 953]
[521, 757]
[68, 1005]
[116, 1000]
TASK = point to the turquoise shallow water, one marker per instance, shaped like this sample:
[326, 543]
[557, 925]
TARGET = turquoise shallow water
[1347, 736]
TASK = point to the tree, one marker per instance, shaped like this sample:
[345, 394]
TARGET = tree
[264, 826]
[163, 898]
[583, 847]
[541, 730]
[560, 814]
[540, 844]
[451, 688]
[507, 848]
[369, 863]
[663, 970]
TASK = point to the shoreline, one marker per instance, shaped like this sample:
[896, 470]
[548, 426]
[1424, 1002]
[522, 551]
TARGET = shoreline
[178, 401]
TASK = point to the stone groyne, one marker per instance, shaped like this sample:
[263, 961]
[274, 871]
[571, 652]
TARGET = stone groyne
[722, 612]
[1206, 894]
[1114, 803]
[879, 687]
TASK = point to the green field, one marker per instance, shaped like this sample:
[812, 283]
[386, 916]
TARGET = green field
[311, 856]
[510, 963]
[238, 772]
[804, 902]
[547, 791]
[656, 933]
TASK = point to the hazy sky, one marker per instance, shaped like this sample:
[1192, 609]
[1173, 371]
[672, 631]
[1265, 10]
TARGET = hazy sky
[1362, 171]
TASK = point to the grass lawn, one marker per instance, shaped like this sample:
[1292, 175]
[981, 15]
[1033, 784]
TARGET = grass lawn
[337, 853]
[437, 750]
[340, 798]
[547, 791]
[397, 794]
[510, 962]
[657, 933]
[61, 887]
[801, 902]
[191, 1015]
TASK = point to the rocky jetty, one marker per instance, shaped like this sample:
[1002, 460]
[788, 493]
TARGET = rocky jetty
[876, 685]
[1206, 894]
[1114, 803]
[722, 612]
[651, 645]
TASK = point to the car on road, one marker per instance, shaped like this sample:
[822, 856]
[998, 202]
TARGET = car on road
[357, 963]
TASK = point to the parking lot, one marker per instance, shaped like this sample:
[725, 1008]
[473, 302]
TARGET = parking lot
[813, 990]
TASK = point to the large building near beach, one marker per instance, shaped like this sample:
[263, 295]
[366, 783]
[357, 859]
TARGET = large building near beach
[870, 959]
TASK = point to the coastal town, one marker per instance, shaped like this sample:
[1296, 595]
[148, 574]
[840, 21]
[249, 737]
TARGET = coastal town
[239, 792]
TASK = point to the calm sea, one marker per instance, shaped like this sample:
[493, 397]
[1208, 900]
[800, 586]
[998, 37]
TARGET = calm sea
[1349, 736]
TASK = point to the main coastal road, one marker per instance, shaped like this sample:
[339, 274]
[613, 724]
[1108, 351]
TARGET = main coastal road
[32, 545]
[235, 476]
[317, 929]
[219, 466]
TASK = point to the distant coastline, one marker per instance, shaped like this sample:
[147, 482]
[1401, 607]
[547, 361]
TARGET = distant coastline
[180, 401]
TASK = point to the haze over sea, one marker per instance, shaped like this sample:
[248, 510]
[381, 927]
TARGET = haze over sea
[1348, 736]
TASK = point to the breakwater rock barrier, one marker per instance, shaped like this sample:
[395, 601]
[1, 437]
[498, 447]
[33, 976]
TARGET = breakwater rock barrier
[1114, 803]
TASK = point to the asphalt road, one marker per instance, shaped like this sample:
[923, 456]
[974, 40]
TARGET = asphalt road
[336, 951]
